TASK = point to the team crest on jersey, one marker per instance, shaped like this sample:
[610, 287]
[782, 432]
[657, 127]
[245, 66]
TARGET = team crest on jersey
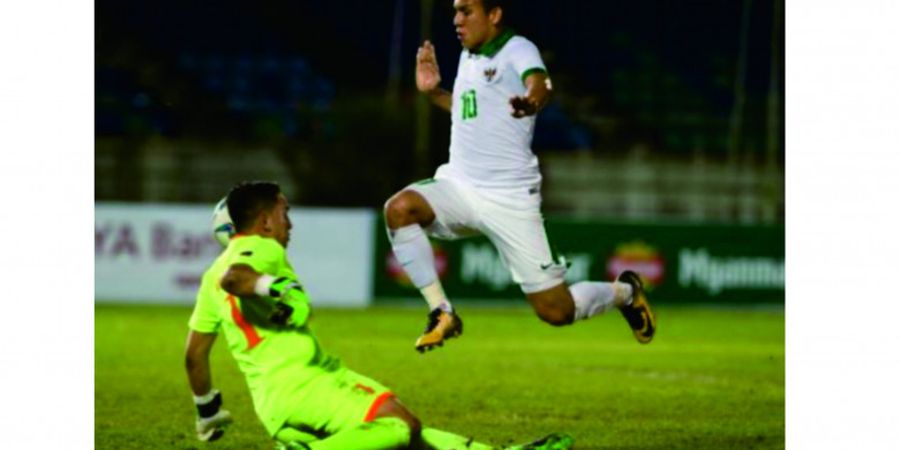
[490, 73]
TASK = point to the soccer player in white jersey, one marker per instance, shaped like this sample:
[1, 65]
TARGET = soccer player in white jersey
[491, 183]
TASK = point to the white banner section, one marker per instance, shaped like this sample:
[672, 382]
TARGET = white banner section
[156, 253]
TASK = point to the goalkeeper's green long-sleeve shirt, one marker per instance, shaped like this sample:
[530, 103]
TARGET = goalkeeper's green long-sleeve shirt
[277, 361]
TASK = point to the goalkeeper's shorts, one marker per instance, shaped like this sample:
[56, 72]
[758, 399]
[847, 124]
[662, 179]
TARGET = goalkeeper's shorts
[334, 401]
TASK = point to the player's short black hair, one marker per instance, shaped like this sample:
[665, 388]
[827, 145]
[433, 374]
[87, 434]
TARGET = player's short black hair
[248, 199]
[491, 4]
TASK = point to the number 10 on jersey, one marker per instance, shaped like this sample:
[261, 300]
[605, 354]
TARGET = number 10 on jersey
[469, 106]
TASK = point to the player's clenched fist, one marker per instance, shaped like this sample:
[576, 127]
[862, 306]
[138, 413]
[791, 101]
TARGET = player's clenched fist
[522, 106]
[428, 76]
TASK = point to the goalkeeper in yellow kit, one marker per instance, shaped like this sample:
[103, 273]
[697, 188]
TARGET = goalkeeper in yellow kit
[306, 398]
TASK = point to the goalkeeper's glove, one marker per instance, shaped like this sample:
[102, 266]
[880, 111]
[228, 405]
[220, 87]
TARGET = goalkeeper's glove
[291, 305]
[211, 419]
[281, 285]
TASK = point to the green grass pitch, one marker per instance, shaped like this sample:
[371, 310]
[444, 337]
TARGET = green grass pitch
[712, 378]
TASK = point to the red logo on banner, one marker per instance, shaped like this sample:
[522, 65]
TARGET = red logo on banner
[395, 269]
[638, 257]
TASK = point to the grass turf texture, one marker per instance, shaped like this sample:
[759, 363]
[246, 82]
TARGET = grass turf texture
[711, 378]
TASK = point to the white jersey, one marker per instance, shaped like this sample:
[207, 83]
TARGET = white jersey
[489, 148]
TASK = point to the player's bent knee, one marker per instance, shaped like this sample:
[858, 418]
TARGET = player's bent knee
[394, 209]
[407, 208]
[554, 305]
[555, 311]
[556, 316]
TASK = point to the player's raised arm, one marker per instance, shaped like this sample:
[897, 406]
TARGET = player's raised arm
[428, 77]
[537, 93]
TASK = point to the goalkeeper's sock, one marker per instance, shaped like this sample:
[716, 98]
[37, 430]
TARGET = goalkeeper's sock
[443, 440]
[592, 297]
[414, 253]
[380, 434]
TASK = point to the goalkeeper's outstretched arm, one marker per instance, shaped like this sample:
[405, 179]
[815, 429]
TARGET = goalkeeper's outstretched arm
[196, 361]
[211, 418]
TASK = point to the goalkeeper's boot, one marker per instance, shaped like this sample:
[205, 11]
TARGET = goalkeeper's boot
[441, 326]
[553, 441]
[638, 313]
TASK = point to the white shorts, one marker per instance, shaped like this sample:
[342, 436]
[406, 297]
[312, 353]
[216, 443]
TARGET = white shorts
[512, 221]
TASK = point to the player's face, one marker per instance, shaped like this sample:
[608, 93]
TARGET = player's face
[281, 223]
[473, 24]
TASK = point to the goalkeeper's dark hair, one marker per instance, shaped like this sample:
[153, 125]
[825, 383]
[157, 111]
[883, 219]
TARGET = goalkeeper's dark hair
[248, 199]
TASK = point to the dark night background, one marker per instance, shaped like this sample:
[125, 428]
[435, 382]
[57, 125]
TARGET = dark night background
[328, 89]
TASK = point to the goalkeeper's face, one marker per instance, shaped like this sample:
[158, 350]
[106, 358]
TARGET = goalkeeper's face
[280, 222]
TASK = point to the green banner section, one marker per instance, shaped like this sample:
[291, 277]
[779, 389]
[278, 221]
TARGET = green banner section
[680, 263]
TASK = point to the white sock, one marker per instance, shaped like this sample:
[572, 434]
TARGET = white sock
[413, 252]
[592, 298]
[435, 296]
[624, 293]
